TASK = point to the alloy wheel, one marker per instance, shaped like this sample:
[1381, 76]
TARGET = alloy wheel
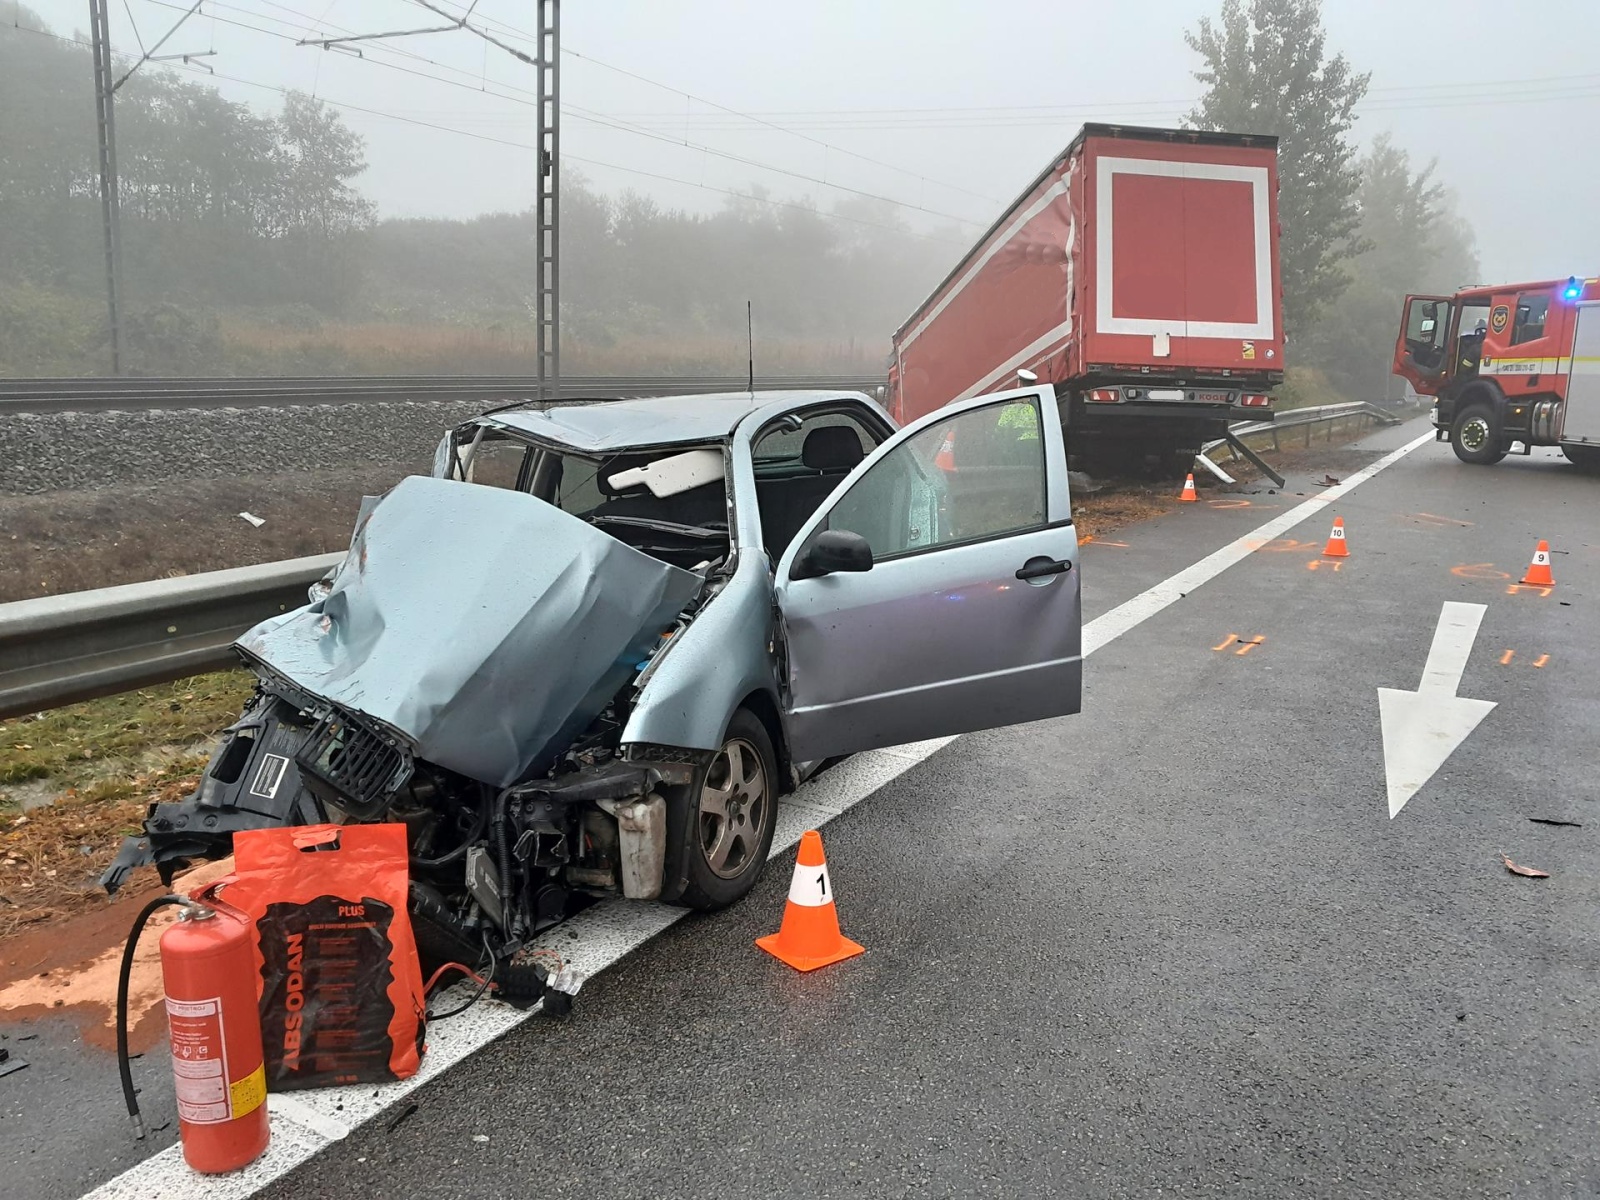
[733, 808]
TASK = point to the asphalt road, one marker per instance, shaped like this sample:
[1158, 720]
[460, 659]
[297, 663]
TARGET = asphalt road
[1171, 946]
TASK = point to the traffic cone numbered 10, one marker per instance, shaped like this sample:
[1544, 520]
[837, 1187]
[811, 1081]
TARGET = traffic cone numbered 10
[1188, 493]
[809, 937]
[1336, 547]
[1539, 570]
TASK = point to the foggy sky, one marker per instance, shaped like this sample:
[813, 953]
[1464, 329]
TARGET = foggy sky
[1503, 95]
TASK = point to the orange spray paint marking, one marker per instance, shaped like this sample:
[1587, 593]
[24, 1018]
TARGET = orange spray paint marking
[1478, 571]
[1444, 520]
[1513, 588]
[1227, 641]
[1505, 659]
[1245, 647]
[1230, 503]
[1541, 660]
[1323, 562]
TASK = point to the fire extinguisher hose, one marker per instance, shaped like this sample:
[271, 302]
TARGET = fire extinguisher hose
[123, 1066]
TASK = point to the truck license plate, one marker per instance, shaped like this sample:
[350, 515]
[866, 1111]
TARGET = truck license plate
[1165, 393]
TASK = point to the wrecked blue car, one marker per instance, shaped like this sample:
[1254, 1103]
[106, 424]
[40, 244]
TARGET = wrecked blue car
[588, 655]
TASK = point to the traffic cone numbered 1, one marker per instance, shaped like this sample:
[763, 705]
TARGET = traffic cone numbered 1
[1336, 547]
[1188, 493]
[809, 937]
[1539, 570]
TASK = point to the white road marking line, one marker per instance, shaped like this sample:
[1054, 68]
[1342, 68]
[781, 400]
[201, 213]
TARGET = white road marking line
[1423, 728]
[1142, 607]
[598, 937]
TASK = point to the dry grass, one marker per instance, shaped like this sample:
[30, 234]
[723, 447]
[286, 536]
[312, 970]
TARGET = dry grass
[1098, 514]
[95, 767]
[393, 348]
[51, 857]
[75, 540]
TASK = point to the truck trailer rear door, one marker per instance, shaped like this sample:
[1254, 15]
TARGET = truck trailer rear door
[1581, 422]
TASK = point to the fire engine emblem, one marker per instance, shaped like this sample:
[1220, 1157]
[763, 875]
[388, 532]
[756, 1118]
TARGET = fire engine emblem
[1499, 317]
[1247, 349]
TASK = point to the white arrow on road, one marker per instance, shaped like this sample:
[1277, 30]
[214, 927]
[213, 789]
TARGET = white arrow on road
[1423, 728]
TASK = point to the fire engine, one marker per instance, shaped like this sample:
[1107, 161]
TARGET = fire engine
[1517, 364]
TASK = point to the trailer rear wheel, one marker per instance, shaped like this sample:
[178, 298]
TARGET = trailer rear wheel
[1475, 438]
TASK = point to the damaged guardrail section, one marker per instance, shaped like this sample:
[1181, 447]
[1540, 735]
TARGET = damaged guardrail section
[57, 650]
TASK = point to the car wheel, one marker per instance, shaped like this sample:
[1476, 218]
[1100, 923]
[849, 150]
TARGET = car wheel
[719, 828]
[1474, 437]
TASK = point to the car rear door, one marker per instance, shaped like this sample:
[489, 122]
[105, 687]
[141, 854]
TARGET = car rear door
[969, 616]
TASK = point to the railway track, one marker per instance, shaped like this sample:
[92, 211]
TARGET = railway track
[125, 394]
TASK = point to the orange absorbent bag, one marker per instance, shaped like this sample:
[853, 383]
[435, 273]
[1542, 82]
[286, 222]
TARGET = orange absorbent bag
[340, 984]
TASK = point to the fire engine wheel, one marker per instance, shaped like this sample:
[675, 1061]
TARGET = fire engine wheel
[1474, 437]
[1585, 458]
[719, 828]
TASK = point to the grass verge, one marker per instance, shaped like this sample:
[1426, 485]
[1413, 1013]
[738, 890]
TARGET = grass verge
[74, 781]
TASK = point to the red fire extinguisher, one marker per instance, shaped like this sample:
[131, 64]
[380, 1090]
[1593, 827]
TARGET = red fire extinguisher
[208, 972]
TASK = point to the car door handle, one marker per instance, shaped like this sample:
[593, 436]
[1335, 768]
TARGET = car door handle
[1038, 568]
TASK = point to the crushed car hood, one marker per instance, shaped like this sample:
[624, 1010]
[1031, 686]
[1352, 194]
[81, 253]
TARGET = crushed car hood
[487, 627]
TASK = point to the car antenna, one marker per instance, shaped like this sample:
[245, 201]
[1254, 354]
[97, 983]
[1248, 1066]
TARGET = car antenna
[750, 341]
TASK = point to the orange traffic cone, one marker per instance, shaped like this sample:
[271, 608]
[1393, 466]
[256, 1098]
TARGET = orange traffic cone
[1539, 570]
[945, 459]
[1336, 547]
[810, 937]
[1188, 492]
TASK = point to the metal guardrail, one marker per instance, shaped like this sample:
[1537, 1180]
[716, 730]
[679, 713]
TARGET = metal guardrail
[1329, 415]
[56, 650]
[124, 394]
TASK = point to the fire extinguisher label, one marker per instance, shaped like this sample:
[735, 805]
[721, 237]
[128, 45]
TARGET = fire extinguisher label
[249, 1093]
[199, 1061]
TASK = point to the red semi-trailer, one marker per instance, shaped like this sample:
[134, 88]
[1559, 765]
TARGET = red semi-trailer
[1139, 275]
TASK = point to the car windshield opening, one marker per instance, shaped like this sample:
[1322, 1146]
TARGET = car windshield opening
[670, 504]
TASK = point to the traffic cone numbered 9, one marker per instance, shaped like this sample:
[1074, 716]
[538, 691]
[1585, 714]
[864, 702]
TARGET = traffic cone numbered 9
[809, 937]
[1336, 547]
[1539, 570]
[1188, 494]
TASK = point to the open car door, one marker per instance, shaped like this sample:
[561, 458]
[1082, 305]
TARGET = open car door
[936, 590]
[1421, 353]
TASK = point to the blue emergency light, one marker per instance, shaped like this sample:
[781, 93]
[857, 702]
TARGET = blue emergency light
[1573, 290]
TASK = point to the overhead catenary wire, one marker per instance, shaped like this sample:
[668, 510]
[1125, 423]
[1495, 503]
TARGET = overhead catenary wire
[744, 196]
[591, 116]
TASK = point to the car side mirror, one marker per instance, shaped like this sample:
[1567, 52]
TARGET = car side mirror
[832, 550]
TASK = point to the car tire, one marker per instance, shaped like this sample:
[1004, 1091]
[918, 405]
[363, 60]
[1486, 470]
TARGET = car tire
[719, 827]
[1475, 438]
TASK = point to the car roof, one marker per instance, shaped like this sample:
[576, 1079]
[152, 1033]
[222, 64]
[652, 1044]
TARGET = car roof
[604, 427]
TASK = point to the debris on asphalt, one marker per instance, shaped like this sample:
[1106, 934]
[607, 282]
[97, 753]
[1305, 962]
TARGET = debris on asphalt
[1555, 821]
[405, 1113]
[9, 1064]
[1328, 480]
[480, 1137]
[258, 522]
[1519, 869]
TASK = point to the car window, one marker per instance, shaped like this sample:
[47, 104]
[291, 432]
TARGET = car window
[1531, 313]
[978, 475]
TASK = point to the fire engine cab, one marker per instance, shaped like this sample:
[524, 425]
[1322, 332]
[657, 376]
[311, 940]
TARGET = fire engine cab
[1517, 364]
